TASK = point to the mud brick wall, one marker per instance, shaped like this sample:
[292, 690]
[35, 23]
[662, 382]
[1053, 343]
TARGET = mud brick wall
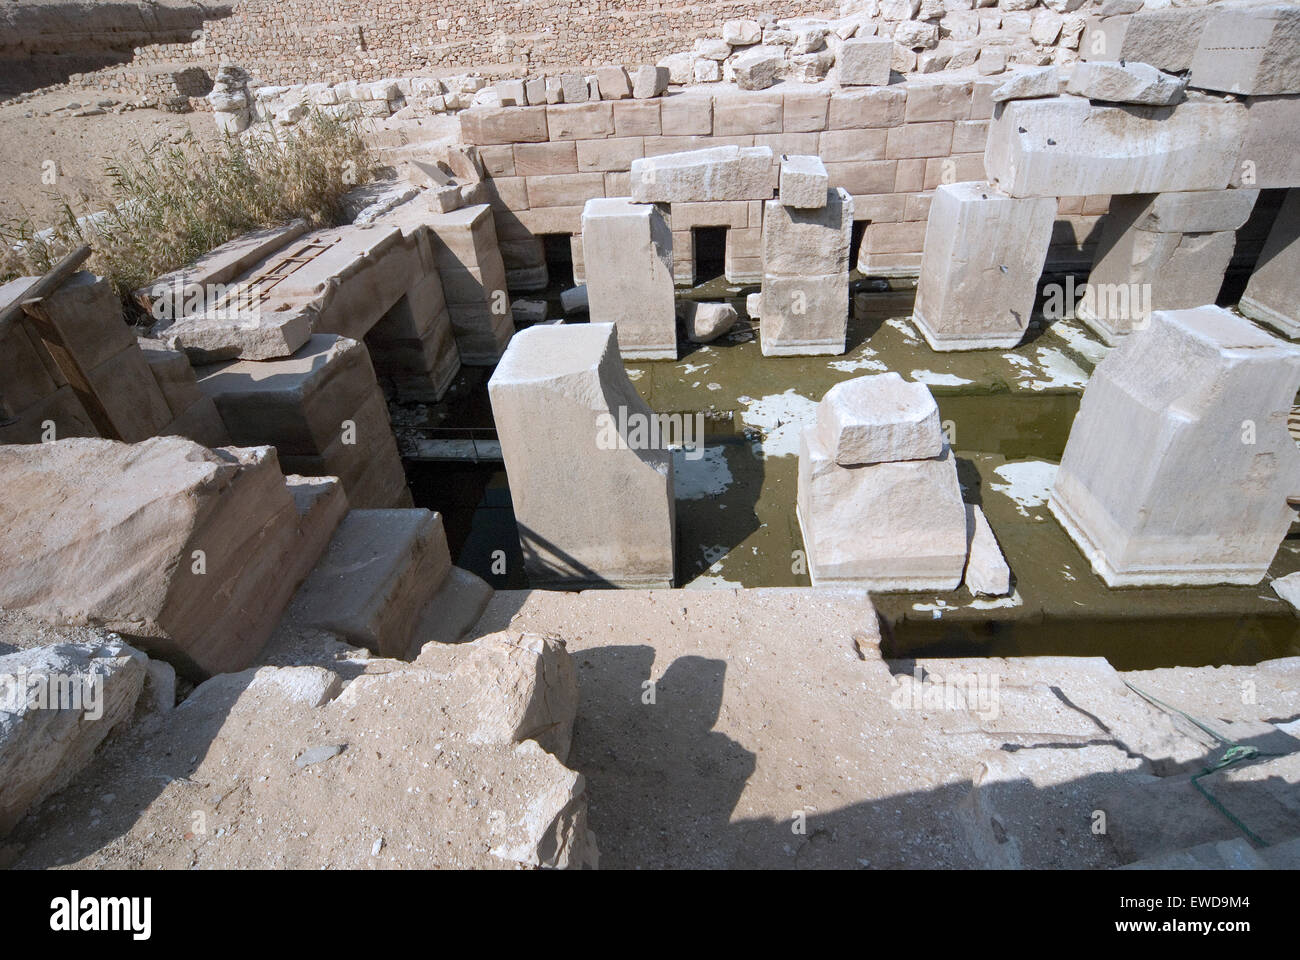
[888, 146]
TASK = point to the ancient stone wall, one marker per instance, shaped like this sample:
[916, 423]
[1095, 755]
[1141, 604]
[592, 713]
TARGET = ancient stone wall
[889, 147]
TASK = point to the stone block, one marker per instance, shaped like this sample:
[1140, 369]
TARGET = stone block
[877, 419]
[705, 322]
[1029, 84]
[803, 182]
[1158, 484]
[759, 68]
[614, 83]
[487, 125]
[987, 573]
[375, 578]
[1066, 146]
[649, 81]
[804, 316]
[627, 259]
[882, 107]
[1269, 157]
[686, 114]
[1123, 82]
[575, 120]
[1273, 294]
[865, 61]
[716, 173]
[1165, 38]
[897, 526]
[192, 552]
[638, 118]
[983, 254]
[561, 397]
[1253, 50]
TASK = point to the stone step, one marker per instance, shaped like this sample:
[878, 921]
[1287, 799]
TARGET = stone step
[377, 576]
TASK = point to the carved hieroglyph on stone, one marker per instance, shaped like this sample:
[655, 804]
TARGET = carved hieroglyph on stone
[628, 252]
[879, 503]
[983, 255]
[805, 305]
[1164, 252]
[1179, 464]
[1273, 294]
[591, 477]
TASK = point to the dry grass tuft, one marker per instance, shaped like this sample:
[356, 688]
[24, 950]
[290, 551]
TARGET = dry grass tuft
[170, 205]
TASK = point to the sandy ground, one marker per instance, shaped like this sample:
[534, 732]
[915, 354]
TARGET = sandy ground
[35, 132]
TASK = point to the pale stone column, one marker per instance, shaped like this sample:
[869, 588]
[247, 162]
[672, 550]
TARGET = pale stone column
[628, 262]
[1167, 251]
[1273, 294]
[984, 252]
[1179, 464]
[591, 477]
[805, 306]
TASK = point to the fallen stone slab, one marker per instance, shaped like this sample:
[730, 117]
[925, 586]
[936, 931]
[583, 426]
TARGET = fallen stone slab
[987, 573]
[1029, 84]
[191, 553]
[1067, 146]
[1124, 82]
[57, 705]
[243, 335]
[876, 419]
[715, 173]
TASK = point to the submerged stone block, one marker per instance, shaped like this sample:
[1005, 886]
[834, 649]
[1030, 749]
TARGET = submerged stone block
[883, 526]
[591, 477]
[1179, 464]
[984, 252]
[628, 262]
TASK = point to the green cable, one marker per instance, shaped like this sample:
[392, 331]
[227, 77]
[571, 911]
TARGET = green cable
[1236, 753]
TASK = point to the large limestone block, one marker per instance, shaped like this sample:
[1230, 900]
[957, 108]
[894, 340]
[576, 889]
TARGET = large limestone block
[716, 173]
[804, 316]
[1273, 294]
[57, 704]
[1179, 464]
[803, 182]
[628, 259]
[1269, 157]
[1250, 49]
[557, 397]
[984, 252]
[1067, 146]
[375, 578]
[298, 404]
[877, 419]
[192, 552]
[237, 334]
[465, 245]
[1144, 262]
[864, 61]
[884, 526]
[1165, 38]
[805, 292]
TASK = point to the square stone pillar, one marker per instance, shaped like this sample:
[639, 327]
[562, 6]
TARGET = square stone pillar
[1166, 251]
[591, 477]
[984, 252]
[1179, 464]
[1273, 293]
[805, 306]
[627, 253]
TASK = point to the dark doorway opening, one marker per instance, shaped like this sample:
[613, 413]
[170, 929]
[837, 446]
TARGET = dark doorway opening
[855, 241]
[559, 259]
[710, 252]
